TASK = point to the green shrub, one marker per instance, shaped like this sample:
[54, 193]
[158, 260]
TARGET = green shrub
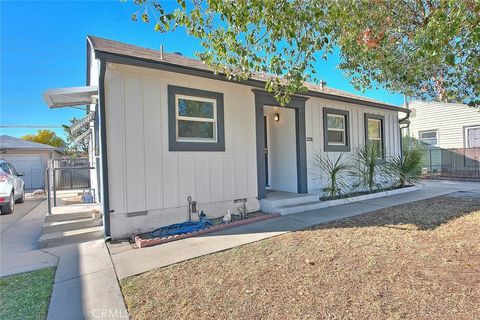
[336, 184]
[407, 168]
[368, 166]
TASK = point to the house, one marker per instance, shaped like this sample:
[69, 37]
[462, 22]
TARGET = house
[168, 128]
[445, 125]
[29, 158]
[450, 133]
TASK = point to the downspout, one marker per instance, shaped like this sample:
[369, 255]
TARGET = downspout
[404, 119]
[405, 102]
[103, 150]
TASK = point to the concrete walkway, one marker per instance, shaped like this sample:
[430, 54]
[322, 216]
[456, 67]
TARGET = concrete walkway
[85, 286]
[129, 262]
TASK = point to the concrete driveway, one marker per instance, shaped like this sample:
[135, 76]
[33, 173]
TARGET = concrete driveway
[19, 240]
[21, 210]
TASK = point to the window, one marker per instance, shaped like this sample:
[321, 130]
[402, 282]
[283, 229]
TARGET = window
[335, 123]
[374, 133]
[429, 137]
[472, 137]
[195, 120]
[13, 170]
[5, 168]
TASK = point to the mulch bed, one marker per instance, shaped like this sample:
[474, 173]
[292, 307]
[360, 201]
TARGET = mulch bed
[145, 240]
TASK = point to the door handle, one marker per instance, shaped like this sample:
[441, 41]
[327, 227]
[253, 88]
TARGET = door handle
[265, 150]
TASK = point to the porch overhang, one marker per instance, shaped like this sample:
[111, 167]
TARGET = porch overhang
[70, 97]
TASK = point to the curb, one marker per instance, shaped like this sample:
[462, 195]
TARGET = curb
[143, 243]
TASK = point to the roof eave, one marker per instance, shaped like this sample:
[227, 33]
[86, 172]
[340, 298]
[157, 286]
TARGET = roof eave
[166, 66]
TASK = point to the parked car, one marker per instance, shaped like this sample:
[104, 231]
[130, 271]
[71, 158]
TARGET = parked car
[12, 187]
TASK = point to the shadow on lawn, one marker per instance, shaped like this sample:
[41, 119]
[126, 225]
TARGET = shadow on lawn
[424, 214]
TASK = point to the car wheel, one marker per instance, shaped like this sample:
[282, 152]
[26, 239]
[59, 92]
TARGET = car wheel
[22, 198]
[8, 208]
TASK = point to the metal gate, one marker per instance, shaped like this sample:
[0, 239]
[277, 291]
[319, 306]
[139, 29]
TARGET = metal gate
[71, 174]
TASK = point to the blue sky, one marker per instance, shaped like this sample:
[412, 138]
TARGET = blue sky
[43, 45]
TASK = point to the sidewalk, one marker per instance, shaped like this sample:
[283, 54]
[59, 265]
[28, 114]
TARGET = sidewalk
[129, 262]
[85, 286]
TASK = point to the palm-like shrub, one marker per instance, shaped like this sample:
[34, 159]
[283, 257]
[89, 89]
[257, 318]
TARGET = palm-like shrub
[336, 184]
[367, 166]
[407, 168]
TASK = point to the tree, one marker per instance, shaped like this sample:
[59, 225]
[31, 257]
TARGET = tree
[46, 137]
[423, 48]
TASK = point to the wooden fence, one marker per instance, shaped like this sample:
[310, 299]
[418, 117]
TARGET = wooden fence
[455, 163]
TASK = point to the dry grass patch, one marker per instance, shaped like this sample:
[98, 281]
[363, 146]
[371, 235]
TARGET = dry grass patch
[416, 261]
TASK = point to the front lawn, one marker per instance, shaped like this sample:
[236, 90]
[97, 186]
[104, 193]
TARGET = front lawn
[415, 261]
[26, 295]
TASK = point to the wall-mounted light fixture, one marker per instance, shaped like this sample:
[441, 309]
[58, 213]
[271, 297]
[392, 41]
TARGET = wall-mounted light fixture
[277, 117]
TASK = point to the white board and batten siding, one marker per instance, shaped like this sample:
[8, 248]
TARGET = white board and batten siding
[152, 184]
[314, 130]
[149, 185]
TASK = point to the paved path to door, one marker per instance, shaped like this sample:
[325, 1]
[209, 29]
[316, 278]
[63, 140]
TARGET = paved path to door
[85, 285]
[129, 261]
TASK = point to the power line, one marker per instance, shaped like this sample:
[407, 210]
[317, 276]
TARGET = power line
[21, 101]
[30, 126]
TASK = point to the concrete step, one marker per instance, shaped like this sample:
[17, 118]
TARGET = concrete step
[73, 216]
[68, 225]
[297, 199]
[60, 238]
[295, 208]
[271, 204]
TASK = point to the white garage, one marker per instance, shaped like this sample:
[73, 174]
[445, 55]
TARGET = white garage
[29, 158]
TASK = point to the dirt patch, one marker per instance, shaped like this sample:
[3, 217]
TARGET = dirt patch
[415, 261]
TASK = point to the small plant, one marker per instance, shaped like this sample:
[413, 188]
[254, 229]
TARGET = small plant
[367, 166]
[336, 184]
[407, 168]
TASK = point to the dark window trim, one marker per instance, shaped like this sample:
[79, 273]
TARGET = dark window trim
[297, 103]
[173, 144]
[336, 148]
[382, 129]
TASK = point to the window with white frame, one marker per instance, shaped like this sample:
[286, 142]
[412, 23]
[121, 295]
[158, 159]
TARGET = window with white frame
[429, 137]
[196, 119]
[374, 133]
[472, 137]
[336, 130]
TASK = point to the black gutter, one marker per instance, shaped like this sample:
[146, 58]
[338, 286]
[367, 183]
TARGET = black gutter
[103, 149]
[165, 66]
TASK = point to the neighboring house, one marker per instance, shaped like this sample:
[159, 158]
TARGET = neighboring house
[450, 133]
[168, 128]
[445, 125]
[29, 158]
